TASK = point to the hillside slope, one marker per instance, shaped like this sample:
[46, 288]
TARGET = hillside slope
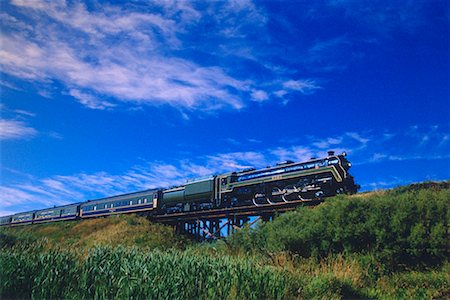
[124, 230]
[390, 244]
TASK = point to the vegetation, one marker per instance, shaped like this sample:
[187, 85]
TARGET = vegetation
[383, 245]
[124, 230]
[399, 229]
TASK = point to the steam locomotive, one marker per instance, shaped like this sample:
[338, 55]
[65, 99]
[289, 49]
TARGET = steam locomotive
[283, 183]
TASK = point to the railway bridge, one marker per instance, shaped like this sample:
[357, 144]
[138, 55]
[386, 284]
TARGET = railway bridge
[216, 223]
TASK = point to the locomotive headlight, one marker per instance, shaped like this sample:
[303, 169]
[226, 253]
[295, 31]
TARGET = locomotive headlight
[349, 165]
[344, 153]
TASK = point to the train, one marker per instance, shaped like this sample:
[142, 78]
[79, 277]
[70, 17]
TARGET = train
[286, 182]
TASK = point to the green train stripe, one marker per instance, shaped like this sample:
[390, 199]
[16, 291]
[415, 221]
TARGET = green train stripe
[331, 169]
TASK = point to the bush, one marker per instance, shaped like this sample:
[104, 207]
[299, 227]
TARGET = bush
[408, 229]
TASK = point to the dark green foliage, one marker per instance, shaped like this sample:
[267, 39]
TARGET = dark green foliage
[7, 240]
[17, 270]
[407, 229]
[26, 274]
[428, 185]
[328, 287]
[414, 285]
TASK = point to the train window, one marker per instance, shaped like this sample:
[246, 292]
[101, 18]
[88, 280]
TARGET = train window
[333, 161]
[139, 201]
[95, 207]
[223, 181]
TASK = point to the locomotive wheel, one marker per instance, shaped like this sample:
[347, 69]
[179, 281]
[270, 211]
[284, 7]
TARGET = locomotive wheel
[311, 195]
[260, 199]
[291, 193]
[277, 195]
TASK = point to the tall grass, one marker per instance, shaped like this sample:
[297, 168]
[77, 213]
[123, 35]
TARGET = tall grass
[131, 273]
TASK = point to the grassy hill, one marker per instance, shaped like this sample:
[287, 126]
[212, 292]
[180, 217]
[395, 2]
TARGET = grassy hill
[385, 244]
[82, 235]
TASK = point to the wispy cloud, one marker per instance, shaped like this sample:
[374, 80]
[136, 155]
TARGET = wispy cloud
[331, 54]
[387, 183]
[106, 55]
[90, 101]
[418, 143]
[24, 113]
[328, 143]
[13, 129]
[13, 125]
[303, 86]
[384, 17]
[61, 189]
[10, 85]
[364, 148]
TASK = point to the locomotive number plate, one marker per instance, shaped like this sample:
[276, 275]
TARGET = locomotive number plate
[276, 177]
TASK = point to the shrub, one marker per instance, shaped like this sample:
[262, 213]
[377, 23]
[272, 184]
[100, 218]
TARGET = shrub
[408, 229]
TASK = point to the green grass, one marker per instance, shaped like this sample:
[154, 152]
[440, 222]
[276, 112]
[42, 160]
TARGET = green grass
[125, 230]
[125, 273]
[383, 245]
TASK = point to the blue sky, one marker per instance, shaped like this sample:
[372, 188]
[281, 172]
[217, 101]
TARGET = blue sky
[101, 98]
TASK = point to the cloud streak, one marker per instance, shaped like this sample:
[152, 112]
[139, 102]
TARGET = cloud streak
[14, 130]
[364, 148]
[107, 56]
